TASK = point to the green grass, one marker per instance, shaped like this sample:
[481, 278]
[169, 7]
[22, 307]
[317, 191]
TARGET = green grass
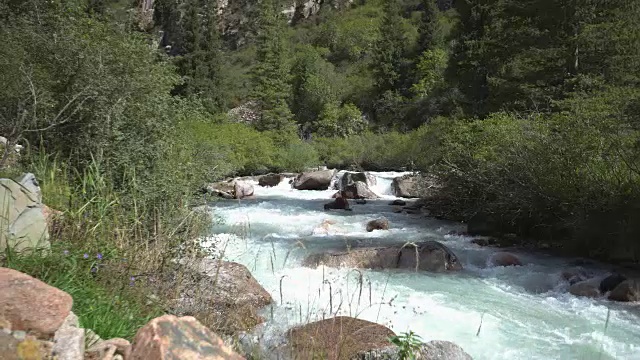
[111, 307]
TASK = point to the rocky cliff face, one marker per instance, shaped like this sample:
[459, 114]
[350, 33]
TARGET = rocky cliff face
[236, 17]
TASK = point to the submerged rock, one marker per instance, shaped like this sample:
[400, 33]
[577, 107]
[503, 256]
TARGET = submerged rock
[314, 180]
[626, 291]
[378, 224]
[337, 338]
[611, 282]
[428, 256]
[340, 203]
[587, 288]
[169, 337]
[574, 275]
[504, 259]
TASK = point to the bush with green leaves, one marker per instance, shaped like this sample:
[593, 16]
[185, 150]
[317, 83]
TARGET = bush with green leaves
[408, 344]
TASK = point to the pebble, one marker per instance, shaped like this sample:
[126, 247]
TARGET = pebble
[19, 334]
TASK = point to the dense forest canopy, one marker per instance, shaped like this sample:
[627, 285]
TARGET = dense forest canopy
[528, 111]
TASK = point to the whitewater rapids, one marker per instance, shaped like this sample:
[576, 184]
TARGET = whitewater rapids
[492, 312]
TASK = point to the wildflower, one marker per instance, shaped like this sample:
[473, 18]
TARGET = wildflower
[99, 256]
[66, 252]
[132, 281]
[86, 256]
[94, 269]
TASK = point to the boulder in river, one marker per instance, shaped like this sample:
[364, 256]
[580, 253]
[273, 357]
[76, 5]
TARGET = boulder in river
[378, 224]
[340, 203]
[350, 178]
[338, 338]
[428, 255]
[398, 202]
[611, 282]
[223, 189]
[587, 288]
[626, 291]
[242, 190]
[405, 186]
[359, 190]
[231, 189]
[504, 259]
[574, 275]
[314, 180]
[270, 180]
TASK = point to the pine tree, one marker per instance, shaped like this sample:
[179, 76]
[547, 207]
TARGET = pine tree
[211, 85]
[270, 76]
[388, 56]
[429, 30]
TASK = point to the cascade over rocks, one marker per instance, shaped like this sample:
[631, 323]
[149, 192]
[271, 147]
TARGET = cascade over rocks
[337, 338]
[314, 180]
[349, 178]
[359, 190]
[430, 255]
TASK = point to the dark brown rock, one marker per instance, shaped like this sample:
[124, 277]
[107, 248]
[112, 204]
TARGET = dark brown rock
[504, 259]
[428, 256]
[31, 305]
[171, 338]
[398, 203]
[626, 291]
[339, 338]
[378, 224]
[611, 282]
[270, 180]
[340, 203]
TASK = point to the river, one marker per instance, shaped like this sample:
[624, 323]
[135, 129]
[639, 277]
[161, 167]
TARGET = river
[522, 312]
